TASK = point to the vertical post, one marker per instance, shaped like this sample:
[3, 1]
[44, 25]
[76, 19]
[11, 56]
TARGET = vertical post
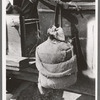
[23, 34]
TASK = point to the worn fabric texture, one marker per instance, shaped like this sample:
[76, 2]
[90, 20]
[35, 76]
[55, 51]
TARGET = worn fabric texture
[56, 64]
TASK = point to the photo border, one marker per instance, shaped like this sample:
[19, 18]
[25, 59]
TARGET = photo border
[98, 78]
[2, 51]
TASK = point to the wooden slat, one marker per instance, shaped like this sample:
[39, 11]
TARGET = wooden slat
[12, 68]
[31, 23]
[82, 5]
[17, 58]
[32, 19]
[26, 76]
[12, 63]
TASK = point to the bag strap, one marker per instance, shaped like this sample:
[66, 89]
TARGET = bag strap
[58, 17]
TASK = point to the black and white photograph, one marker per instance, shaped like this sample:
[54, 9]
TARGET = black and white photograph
[50, 49]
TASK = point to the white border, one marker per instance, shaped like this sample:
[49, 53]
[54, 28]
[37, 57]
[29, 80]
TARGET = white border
[4, 49]
[96, 82]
